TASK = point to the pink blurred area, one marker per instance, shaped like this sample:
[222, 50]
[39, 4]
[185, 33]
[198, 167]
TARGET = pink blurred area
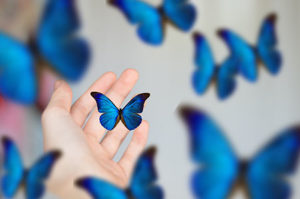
[12, 120]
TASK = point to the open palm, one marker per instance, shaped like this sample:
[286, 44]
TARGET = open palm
[67, 127]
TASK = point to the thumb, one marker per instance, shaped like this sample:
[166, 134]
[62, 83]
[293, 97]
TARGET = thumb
[61, 97]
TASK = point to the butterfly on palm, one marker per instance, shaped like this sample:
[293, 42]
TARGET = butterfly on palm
[151, 21]
[55, 42]
[242, 59]
[129, 115]
[15, 175]
[263, 176]
[142, 185]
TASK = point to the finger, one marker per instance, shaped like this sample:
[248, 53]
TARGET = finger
[84, 105]
[117, 94]
[61, 97]
[135, 148]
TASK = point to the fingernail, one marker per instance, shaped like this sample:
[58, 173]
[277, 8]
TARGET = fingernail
[57, 84]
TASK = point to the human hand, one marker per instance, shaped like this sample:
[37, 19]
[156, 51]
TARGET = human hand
[83, 153]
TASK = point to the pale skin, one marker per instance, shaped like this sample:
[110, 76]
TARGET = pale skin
[67, 127]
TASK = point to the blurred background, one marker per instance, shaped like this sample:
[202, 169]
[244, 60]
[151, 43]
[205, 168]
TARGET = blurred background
[251, 117]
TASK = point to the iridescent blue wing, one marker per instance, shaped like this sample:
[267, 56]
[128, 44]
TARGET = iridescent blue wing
[17, 72]
[110, 117]
[267, 172]
[57, 40]
[100, 189]
[39, 172]
[130, 117]
[13, 167]
[210, 149]
[180, 13]
[242, 51]
[226, 77]
[147, 17]
[267, 43]
[205, 64]
[142, 185]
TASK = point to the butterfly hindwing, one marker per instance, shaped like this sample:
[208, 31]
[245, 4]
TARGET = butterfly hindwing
[130, 116]
[205, 63]
[142, 185]
[266, 45]
[180, 12]
[267, 171]
[210, 149]
[39, 173]
[243, 52]
[13, 166]
[110, 117]
[17, 73]
[57, 41]
[150, 24]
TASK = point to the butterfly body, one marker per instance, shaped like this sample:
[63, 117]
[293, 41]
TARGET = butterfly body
[16, 175]
[142, 184]
[243, 59]
[261, 177]
[54, 43]
[151, 21]
[129, 115]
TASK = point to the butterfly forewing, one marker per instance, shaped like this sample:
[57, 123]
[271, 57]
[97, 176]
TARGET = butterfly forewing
[17, 73]
[58, 44]
[38, 173]
[110, 117]
[13, 166]
[130, 116]
[266, 45]
[211, 150]
[100, 189]
[269, 168]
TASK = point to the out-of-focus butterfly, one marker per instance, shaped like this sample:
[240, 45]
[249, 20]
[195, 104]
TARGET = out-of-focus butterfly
[151, 21]
[262, 177]
[112, 115]
[242, 59]
[15, 175]
[55, 42]
[142, 185]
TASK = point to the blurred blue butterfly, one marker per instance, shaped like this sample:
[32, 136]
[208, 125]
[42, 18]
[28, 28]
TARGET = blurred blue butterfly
[15, 175]
[142, 185]
[263, 177]
[112, 115]
[242, 59]
[55, 43]
[151, 21]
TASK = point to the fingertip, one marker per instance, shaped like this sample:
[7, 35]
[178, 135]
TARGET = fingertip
[62, 95]
[144, 126]
[111, 75]
[130, 75]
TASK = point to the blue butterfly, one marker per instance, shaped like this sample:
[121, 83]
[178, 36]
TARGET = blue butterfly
[242, 59]
[151, 21]
[263, 176]
[16, 175]
[112, 115]
[141, 186]
[55, 42]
